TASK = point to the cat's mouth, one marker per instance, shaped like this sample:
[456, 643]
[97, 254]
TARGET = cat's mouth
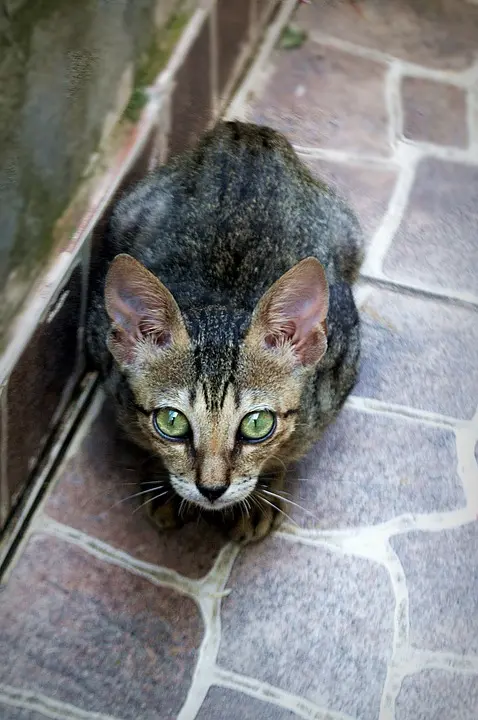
[213, 498]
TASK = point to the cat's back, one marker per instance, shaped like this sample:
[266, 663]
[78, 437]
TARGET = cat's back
[232, 215]
[221, 223]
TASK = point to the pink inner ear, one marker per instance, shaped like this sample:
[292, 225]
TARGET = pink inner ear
[296, 310]
[138, 305]
[123, 314]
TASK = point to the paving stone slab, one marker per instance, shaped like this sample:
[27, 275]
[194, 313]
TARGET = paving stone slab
[96, 636]
[221, 703]
[440, 35]
[438, 695]
[7, 712]
[434, 112]
[436, 243]
[442, 579]
[312, 622]
[333, 100]
[369, 468]
[368, 190]
[419, 352]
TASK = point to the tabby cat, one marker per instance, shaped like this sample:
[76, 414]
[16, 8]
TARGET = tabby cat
[223, 322]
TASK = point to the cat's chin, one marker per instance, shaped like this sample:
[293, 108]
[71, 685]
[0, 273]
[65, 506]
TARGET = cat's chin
[236, 493]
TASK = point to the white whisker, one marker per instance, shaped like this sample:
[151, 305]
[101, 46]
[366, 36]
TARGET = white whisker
[110, 490]
[184, 506]
[263, 499]
[291, 502]
[150, 500]
[142, 492]
[255, 503]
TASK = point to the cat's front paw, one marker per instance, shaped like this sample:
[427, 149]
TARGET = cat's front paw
[164, 517]
[256, 525]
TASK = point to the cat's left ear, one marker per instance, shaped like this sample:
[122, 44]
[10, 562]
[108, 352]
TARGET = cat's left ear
[142, 311]
[293, 313]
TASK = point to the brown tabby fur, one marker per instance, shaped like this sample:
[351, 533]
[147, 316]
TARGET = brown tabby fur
[199, 312]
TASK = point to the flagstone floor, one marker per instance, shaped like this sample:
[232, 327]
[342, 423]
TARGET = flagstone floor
[365, 607]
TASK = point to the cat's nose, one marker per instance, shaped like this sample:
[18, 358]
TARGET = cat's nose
[211, 492]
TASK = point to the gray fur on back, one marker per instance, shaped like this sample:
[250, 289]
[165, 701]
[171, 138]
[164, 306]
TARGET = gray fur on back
[218, 226]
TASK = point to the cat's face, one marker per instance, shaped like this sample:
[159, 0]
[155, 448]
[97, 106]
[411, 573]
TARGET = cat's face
[219, 434]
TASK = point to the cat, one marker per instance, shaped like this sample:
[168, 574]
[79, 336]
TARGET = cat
[223, 323]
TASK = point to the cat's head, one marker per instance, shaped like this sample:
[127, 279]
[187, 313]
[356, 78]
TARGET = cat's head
[219, 407]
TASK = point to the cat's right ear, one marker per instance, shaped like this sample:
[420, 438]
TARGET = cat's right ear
[141, 309]
[292, 314]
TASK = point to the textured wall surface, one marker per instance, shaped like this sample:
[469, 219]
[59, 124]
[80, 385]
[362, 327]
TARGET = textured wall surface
[67, 70]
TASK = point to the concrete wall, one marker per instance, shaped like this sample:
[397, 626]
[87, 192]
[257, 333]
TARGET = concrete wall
[67, 69]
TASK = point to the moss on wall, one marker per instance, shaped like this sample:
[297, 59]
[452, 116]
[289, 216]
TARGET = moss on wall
[154, 60]
[62, 67]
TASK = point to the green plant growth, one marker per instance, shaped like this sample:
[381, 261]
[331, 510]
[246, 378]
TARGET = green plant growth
[292, 37]
[153, 61]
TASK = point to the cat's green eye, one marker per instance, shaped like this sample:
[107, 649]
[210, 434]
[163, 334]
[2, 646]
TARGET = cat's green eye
[171, 423]
[257, 425]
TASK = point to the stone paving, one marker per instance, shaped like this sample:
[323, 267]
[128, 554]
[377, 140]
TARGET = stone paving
[365, 605]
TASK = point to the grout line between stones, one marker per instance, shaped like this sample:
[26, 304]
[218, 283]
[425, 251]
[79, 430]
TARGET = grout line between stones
[367, 541]
[465, 156]
[379, 407]
[383, 238]
[407, 160]
[454, 297]
[393, 103]
[450, 662]
[269, 693]
[211, 591]
[414, 661]
[208, 591]
[346, 157]
[472, 110]
[404, 146]
[364, 542]
[398, 580]
[154, 573]
[401, 635]
[46, 706]
[460, 78]
[466, 438]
